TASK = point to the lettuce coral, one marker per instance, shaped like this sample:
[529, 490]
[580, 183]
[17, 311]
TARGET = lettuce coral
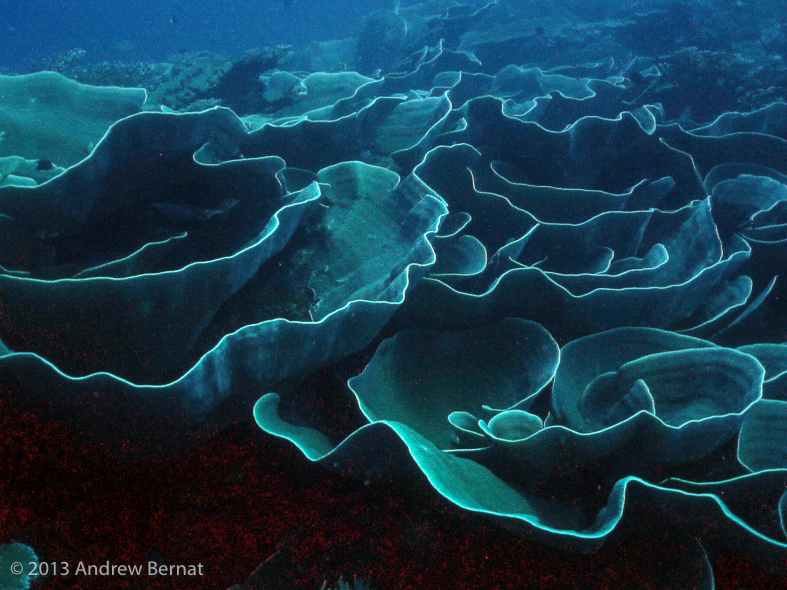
[566, 320]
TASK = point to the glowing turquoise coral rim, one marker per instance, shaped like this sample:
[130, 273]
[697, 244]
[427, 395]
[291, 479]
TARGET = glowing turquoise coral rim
[264, 352]
[475, 488]
[634, 444]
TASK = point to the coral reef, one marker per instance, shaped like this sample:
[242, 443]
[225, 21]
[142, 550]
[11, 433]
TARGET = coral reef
[490, 311]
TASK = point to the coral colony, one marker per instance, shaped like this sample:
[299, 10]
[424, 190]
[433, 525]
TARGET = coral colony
[501, 286]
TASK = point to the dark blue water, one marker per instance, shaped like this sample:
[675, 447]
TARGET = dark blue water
[150, 30]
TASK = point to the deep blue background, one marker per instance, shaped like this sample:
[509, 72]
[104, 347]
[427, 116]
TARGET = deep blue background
[132, 30]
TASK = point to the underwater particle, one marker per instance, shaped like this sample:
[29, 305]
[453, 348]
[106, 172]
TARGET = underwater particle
[17, 562]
